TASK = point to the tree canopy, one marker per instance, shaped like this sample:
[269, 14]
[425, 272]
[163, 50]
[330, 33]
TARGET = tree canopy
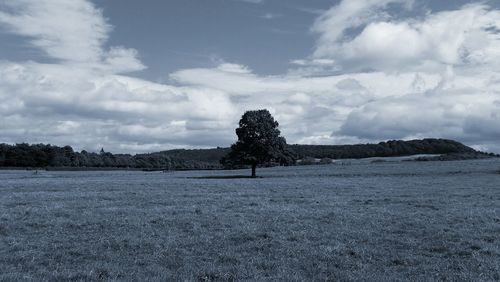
[259, 142]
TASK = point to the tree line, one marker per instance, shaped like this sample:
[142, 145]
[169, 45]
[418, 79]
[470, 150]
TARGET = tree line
[46, 155]
[393, 148]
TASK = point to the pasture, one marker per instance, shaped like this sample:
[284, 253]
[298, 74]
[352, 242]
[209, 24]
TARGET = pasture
[364, 221]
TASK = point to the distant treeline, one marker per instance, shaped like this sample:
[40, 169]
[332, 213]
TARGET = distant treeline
[41, 155]
[382, 149]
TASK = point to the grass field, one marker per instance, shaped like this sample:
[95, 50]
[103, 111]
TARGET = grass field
[364, 221]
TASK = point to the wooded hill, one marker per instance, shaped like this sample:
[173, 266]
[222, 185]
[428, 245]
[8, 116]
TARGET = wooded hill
[48, 156]
[382, 149]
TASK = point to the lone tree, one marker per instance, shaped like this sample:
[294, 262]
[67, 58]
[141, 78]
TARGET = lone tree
[259, 142]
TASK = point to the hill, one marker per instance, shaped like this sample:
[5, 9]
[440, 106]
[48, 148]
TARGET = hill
[394, 148]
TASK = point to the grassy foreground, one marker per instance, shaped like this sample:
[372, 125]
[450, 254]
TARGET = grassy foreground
[364, 221]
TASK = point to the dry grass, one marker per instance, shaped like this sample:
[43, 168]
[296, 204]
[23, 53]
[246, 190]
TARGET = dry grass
[372, 222]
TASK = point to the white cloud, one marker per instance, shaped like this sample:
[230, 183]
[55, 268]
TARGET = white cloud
[333, 24]
[464, 114]
[467, 36]
[73, 32]
[122, 60]
[80, 99]
[233, 68]
[442, 81]
[51, 101]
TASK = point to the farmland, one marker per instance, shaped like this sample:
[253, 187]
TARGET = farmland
[355, 220]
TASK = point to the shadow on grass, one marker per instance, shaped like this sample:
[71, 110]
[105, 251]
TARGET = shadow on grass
[224, 177]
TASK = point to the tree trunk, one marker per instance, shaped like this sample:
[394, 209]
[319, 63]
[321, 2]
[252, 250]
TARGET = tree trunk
[254, 166]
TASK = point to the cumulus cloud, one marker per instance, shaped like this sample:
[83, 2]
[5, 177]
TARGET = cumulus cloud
[71, 32]
[333, 24]
[464, 114]
[52, 103]
[467, 36]
[432, 76]
[84, 100]
[458, 46]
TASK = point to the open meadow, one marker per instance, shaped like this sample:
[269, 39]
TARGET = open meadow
[354, 221]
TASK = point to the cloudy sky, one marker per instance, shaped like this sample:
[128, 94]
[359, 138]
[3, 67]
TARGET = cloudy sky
[142, 76]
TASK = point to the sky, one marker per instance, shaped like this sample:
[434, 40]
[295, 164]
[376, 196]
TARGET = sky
[142, 76]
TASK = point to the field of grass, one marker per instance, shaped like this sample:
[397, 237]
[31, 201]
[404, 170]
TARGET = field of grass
[385, 221]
